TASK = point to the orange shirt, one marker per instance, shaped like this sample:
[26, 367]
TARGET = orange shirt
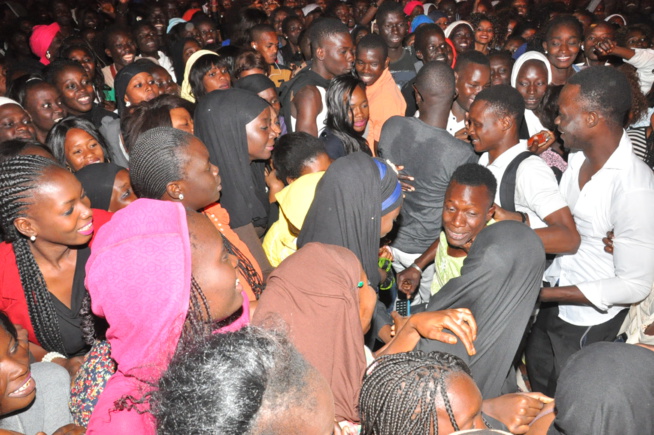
[220, 218]
[385, 100]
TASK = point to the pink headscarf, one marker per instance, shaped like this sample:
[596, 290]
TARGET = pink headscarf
[139, 279]
[411, 6]
[41, 38]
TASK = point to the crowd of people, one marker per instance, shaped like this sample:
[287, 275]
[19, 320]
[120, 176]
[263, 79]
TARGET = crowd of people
[343, 217]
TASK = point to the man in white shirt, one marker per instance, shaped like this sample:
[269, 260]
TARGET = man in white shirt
[493, 124]
[608, 189]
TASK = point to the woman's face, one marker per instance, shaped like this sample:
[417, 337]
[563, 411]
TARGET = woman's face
[462, 38]
[637, 39]
[531, 82]
[76, 90]
[484, 32]
[181, 120]
[141, 87]
[16, 383]
[15, 123]
[44, 105]
[60, 212]
[81, 149]
[261, 133]
[465, 400]
[201, 184]
[85, 59]
[359, 110]
[165, 82]
[562, 46]
[216, 78]
[122, 194]
[270, 95]
[388, 220]
[190, 47]
[214, 268]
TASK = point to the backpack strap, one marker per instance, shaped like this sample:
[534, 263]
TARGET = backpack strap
[507, 185]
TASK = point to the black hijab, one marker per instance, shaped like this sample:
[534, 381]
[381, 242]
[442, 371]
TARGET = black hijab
[123, 78]
[500, 281]
[98, 183]
[347, 208]
[606, 389]
[255, 83]
[220, 120]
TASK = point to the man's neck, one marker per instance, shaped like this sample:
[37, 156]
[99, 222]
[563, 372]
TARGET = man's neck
[458, 111]
[395, 53]
[434, 115]
[508, 142]
[319, 68]
[600, 149]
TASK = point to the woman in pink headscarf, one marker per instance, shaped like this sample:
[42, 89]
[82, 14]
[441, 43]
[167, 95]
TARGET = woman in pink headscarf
[161, 277]
[45, 42]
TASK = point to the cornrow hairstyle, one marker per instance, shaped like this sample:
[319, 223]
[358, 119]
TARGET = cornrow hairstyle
[56, 139]
[19, 177]
[13, 147]
[156, 159]
[338, 120]
[200, 68]
[401, 393]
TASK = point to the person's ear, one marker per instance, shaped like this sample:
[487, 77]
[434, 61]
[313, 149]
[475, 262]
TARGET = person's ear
[108, 53]
[174, 190]
[26, 227]
[289, 180]
[253, 45]
[592, 119]
[418, 53]
[506, 122]
[387, 63]
[320, 53]
[545, 46]
[491, 212]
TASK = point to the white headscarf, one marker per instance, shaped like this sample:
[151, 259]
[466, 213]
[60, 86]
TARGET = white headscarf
[530, 55]
[455, 24]
[5, 100]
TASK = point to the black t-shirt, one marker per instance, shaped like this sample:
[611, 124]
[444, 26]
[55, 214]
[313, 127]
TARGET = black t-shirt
[403, 69]
[430, 155]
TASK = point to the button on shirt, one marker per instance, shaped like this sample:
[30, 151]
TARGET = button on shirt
[618, 198]
[536, 190]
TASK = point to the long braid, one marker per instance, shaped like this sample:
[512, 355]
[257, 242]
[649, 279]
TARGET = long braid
[400, 392]
[245, 267]
[18, 177]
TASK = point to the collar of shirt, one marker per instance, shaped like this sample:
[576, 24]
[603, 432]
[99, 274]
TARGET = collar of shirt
[503, 160]
[384, 80]
[620, 159]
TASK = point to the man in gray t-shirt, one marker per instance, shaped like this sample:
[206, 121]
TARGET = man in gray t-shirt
[429, 154]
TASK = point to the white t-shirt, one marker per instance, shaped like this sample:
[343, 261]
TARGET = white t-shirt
[536, 190]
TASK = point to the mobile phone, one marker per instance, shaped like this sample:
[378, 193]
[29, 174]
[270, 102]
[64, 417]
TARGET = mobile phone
[537, 139]
[403, 307]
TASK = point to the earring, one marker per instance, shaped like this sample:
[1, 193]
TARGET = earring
[47, 54]
[33, 238]
[181, 197]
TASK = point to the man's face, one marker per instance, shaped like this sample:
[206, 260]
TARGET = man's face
[521, 7]
[470, 81]
[393, 29]
[433, 48]
[337, 54]
[267, 45]
[360, 9]
[122, 49]
[485, 127]
[449, 9]
[500, 71]
[466, 210]
[570, 121]
[370, 65]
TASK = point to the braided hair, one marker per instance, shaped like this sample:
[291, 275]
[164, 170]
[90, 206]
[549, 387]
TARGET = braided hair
[155, 161]
[400, 393]
[19, 176]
